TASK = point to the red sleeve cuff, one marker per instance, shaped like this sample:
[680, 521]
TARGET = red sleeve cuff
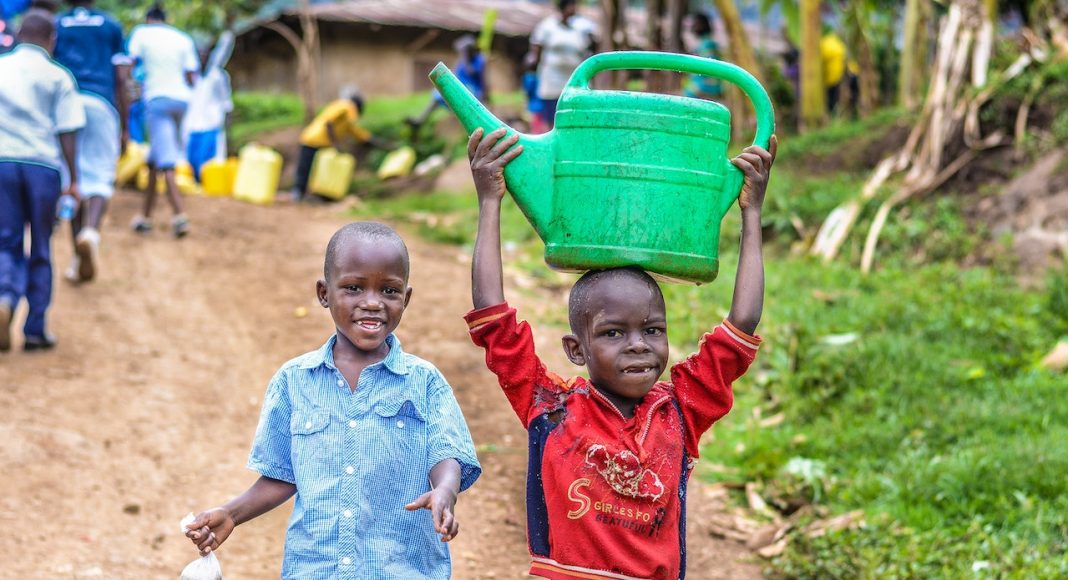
[745, 339]
[482, 316]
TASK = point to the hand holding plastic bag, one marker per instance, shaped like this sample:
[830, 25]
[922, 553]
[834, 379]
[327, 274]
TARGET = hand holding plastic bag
[203, 568]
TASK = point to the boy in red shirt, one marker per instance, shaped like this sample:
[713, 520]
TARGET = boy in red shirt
[609, 456]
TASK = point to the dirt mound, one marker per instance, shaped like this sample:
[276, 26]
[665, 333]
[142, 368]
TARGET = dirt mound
[1033, 209]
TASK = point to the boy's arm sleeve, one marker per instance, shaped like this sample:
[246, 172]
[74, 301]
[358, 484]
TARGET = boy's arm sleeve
[448, 434]
[270, 455]
[510, 355]
[703, 381]
[68, 111]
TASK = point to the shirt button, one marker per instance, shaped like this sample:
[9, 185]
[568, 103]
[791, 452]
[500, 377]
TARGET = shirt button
[350, 470]
[346, 561]
[308, 425]
[352, 424]
[340, 383]
[348, 513]
[400, 424]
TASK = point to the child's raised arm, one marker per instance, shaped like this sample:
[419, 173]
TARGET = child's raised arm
[211, 528]
[489, 154]
[748, 302]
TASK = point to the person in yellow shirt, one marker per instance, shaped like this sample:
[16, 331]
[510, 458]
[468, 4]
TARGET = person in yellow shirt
[334, 124]
[833, 54]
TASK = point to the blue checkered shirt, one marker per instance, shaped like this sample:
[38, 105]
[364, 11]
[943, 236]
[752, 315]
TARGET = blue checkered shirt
[357, 457]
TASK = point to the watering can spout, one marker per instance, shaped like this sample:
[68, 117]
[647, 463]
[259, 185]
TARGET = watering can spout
[529, 176]
[468, 109]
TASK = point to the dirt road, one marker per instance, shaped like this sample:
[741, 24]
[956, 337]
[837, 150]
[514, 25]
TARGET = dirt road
[147, 408]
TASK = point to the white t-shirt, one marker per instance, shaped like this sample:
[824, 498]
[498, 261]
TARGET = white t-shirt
[210, 102]
[563, 48]
[166, 54]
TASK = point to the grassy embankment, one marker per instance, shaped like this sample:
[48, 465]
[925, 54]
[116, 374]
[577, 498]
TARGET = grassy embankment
[912, 393]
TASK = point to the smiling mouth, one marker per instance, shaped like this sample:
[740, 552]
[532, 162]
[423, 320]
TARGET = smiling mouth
[368, 324]
[639, 370]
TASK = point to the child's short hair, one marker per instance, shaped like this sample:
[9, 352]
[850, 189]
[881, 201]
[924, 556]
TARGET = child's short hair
[578, 301]
[362, 232]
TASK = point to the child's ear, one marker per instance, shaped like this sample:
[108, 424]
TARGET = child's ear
[573, 350]
[407, 296]
[320, 292]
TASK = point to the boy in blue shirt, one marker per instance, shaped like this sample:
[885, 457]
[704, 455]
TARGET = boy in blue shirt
[361, 432]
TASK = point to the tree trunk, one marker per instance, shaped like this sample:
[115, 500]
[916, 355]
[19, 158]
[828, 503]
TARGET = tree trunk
[859, 44]
[676, 10]
[614, 37]
[307, 48]
[813, 93]
[914, 54]
[310, 28]
[740, 52]
[654, 9]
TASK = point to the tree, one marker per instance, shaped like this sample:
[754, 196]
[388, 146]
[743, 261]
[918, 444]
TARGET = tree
[856, 16]
[615, 36]
[192, 15]
[813, 94]
[911, 76]
[307, 47]
[741, 54]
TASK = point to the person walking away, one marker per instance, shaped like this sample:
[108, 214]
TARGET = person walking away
[89, 43]
[41, 113]
[170, 65]
[470, 69]
[204, 130]
[337, 121]
[558, 45]
[700, 86]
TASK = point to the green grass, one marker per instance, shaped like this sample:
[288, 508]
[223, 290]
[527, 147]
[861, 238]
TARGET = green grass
[256, 113]
[913, 393]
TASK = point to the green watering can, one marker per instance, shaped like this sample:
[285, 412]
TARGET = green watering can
[627, 178]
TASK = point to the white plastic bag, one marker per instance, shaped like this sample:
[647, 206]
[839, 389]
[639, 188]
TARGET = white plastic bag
[203, 568]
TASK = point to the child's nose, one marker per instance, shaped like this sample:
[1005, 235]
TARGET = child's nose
[371, 301]
[637, 343]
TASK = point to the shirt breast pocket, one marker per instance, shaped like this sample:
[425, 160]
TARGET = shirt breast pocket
[310, 442]
[402, 438]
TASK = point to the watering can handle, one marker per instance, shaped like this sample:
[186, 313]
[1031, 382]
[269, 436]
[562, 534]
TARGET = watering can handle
[765, 114]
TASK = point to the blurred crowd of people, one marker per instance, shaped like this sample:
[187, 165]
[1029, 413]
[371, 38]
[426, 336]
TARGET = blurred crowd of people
[78, 92]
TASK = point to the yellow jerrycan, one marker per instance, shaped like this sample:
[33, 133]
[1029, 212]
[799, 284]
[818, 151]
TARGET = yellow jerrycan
[130, 163]
[258, 171]
[183, 178]
[398, 163]
[217, 177]
[331, 173]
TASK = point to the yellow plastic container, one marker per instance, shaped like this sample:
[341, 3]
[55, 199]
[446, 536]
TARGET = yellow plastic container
[258, 172]
[331, 173]
[130, 163]
[398, 163]
[183, 178]
[217, 177]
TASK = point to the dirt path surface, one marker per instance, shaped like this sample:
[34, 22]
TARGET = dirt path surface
[147, 408]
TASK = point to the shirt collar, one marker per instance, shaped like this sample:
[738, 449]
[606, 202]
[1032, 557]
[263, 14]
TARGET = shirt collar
[394, 361]
[26, 46]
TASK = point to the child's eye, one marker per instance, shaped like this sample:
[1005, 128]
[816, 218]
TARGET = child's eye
[390, 291]
[352, 288]
[654, 331]
[613, 333]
